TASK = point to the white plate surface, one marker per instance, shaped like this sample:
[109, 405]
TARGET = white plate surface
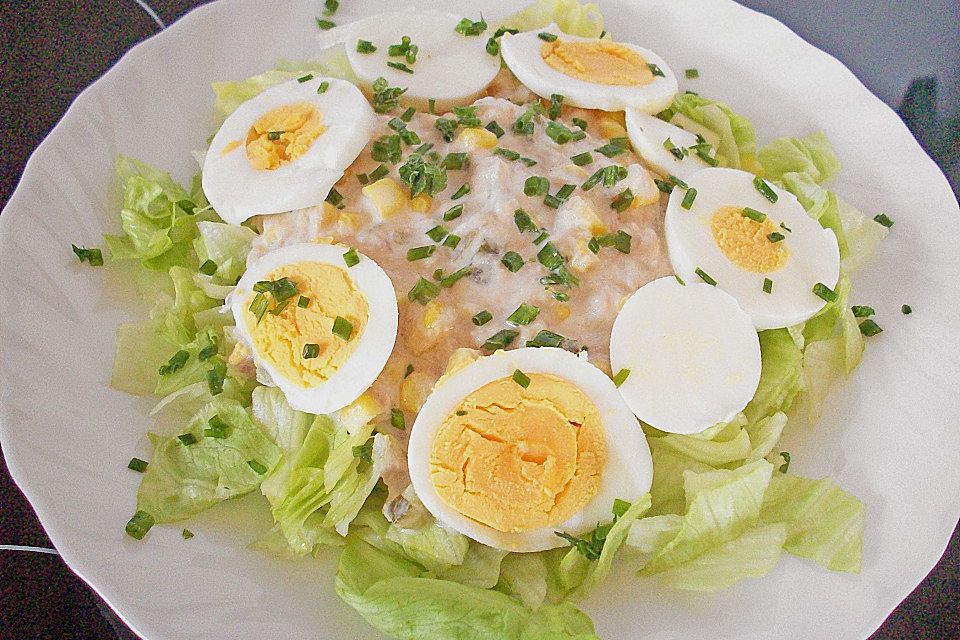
[890, 434]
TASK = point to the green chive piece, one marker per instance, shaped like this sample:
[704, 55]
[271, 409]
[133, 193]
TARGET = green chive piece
[258, 307]
[705, 277]
[786, 462]
[365, 46]
[421, 253]
[448, 281]
[257, 467]
[869, 328]
[565, 191]
[521, 378]
[399, 66]
[342, 328]
[462, 191]
[326, 25]
[691, 74]
[594, 180]
[906, 309]
[494, 127]
[455, 161]
[579, 123]
[529, 162]
[663, 185]
[621, 377]
[303, 302]
[507, 154]
[620, 507]
[208, 268]
[453, 213]
[655, 70]
[493, 46]
[323, 86]
[775, 237]
[824, 292]
[138, 465]
[549, 257]
[862, 311]
[556, 103]
[274, 135]
[364, 451]
[523, 315]
[615, 147]
[216, 376]
[582, 159]
[482, 317]
[536, 186]
[175, 363]
[523, 221]
[677, 181]
[335, 198]
[546, 339]
[423, 291]
[469, 28]
[680, 280]
[512, 260]
[187, 439]
[397, 419]
[351, 258]
[437, 233]
[407, 371]
[310, 351]
[547, 37]
[500, 340]
[138, 526]
[407, 115]
[94, 257]
[765, 189]
[622, 201]
[552, 201]
[217, 428]
[767, 285]
[543, 235]
[883, 219]
[306, 78]
[688, 198]
[753, 214]
[451, 241]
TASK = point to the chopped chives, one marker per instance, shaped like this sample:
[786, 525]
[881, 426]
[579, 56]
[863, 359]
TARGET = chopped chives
[615, 147]
[188, 206]
[186, 534]
[138, 465]
[786, 462]
[621, 241]
[680, 280]
[449, 280]
[453, 213]
[594, 180]
[379, 172]
[407, 371]
[399, 66]
[620, 507]
[494, 127]
[397, 419]
[677, 152]
[677, 181]
[407, 115]
[432, 106]
[869, 328]
[753, 214]
[258, 307]
[451, 241]
[786, 228]
[580, 123]
[776, 236]
[564, 192]
[552, 201]
[342, 328]
[862, 311]
[420, 253]
[523, 221]
[216, 376]
[423, 291]
[175, 363]
[688, 198]
[482, 317]
[549, 257]
[330, 7]
[306, 78]
[621, 377]
[883, 219]
[138, 526]
[556, 103]
[560, 134]
[546, 339]
[94, 257]
[582, 159]
[310, 351]
[326, 25]
[691, 74]
[529, 162]
[468, 27]
[500, 340]
[906, 309]
[543, 235]
[767, 285]
[208, 268]
[613, 174]
[622, 201]
[257, 467]
[462, 191]
[323, 86]
[187, 439]
[765, 189]
[521, 378]
[524, 314]
[335, 198]
[512, 260]
[437, 233]
[663, 185]
[461, 412]
[364, 451]
[705, 277]
[351, 258]
[824, 292]
[493, 46]
[365, 46]
[512, 156]
[546, 37]
[217, 428]
[455, 161]
[536, 186]
[655, 70]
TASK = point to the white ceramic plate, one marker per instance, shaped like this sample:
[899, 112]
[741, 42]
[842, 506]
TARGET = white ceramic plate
[890, 434]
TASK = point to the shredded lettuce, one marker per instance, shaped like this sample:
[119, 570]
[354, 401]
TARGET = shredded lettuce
[185, 479]
[571, 16]
[780, 380]
[810, 155]
[737, 142]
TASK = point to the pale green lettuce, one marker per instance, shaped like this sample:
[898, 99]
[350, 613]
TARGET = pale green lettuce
[571, 16]
[810, 155]
[737, 142]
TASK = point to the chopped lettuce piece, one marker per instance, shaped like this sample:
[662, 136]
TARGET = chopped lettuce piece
[435, 547]
[810, 155]
[737, 141]
[668, 469]
[480, 567]
[571, 16]
[190, 471]
[615, 539]
[227, 245]
[649, 535]
[780, 379]
[764, 435]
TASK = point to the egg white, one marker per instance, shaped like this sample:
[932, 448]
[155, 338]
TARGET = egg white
[521, 52]
[647, 134]
[238, 191]
[692, 352]
[374, 344]
[627, 473]
[814, 253]
[451, 68]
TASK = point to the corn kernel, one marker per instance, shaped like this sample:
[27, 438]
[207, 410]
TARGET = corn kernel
[386, 196]
[413, 391]
[561, 311]
[359, 413]
[421, 204]
[478, 139]
[610, 128]
[432, 313]
[458, 360]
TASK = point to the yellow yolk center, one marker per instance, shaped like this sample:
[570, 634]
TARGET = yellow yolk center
[282, 135]
[279, 339]
[597, 61]
[745, 243]
[518, 459]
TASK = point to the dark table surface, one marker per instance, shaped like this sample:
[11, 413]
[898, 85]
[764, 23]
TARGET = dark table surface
[51, 49]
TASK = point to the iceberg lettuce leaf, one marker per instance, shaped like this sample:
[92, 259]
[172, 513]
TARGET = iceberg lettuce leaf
[737, 141]
[811, 155]
[571, 16]
[780, 379]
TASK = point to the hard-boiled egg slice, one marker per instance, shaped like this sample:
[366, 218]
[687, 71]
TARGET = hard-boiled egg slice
[327, 343]
[719, 237]
[285, 148]
[687, 354]
[666, 148]
[590, 73]
[520, 444]
[449, 68]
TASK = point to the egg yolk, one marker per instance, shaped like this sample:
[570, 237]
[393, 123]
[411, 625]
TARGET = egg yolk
[745, 243]
[597, 61]
[517, 459]
[282, 135]
[279, 339]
